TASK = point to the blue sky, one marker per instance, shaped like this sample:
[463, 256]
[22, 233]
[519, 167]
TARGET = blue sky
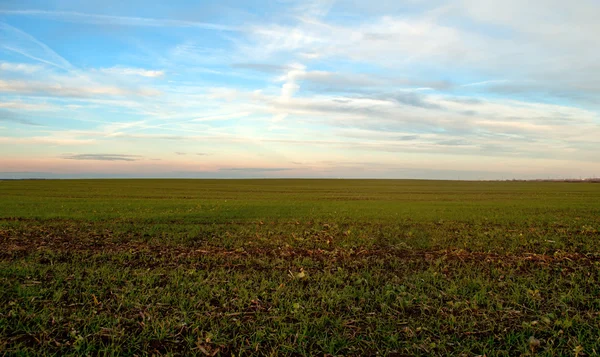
[469, 89]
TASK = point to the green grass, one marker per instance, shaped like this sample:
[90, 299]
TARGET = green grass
[299, 267]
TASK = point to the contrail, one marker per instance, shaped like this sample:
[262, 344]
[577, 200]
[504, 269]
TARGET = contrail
[13, 35]
[78, 17]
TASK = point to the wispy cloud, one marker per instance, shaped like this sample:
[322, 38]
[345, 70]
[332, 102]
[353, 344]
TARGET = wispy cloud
[256, 169]
[44, 141]
[18, 41]
[290, 81]
[133, 72]
[24, 106]
[95, 19]
[70, 89]
[483, 83]
[414, 99]
[102, 157]
[19, 67]
[225, 116]
[328, 81]
[13, 117]
[262, 67]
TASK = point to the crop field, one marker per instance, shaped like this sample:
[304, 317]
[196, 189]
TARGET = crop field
[299, 268]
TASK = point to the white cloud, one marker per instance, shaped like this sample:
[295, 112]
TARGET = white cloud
[549, 42]
[228, 94]
[19, 67]
[225, 116]
[79, 17]
[70, 90]
[387, 41]
[44, 140]
[483, 83]
[27, 106]
[133, 72]
[289, 87]
[492, 127]
[290, 79]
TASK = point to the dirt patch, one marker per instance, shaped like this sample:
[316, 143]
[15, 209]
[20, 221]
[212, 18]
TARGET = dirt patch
[89, 239]
[16, 245]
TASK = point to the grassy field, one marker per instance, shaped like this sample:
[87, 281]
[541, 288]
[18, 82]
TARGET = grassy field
[299, 267]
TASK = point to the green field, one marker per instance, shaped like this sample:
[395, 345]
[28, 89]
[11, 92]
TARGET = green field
[299, 267]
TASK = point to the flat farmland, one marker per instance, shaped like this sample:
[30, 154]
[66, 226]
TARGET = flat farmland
[299, 268]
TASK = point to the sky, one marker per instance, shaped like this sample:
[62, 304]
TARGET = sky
[462, 89]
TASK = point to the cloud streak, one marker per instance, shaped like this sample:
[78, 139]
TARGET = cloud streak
[70, 90]
[12, 117]
[19, 67]
[126, 71]
[18, 41]
[256, 169]
[78, 17]
[102, 157]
